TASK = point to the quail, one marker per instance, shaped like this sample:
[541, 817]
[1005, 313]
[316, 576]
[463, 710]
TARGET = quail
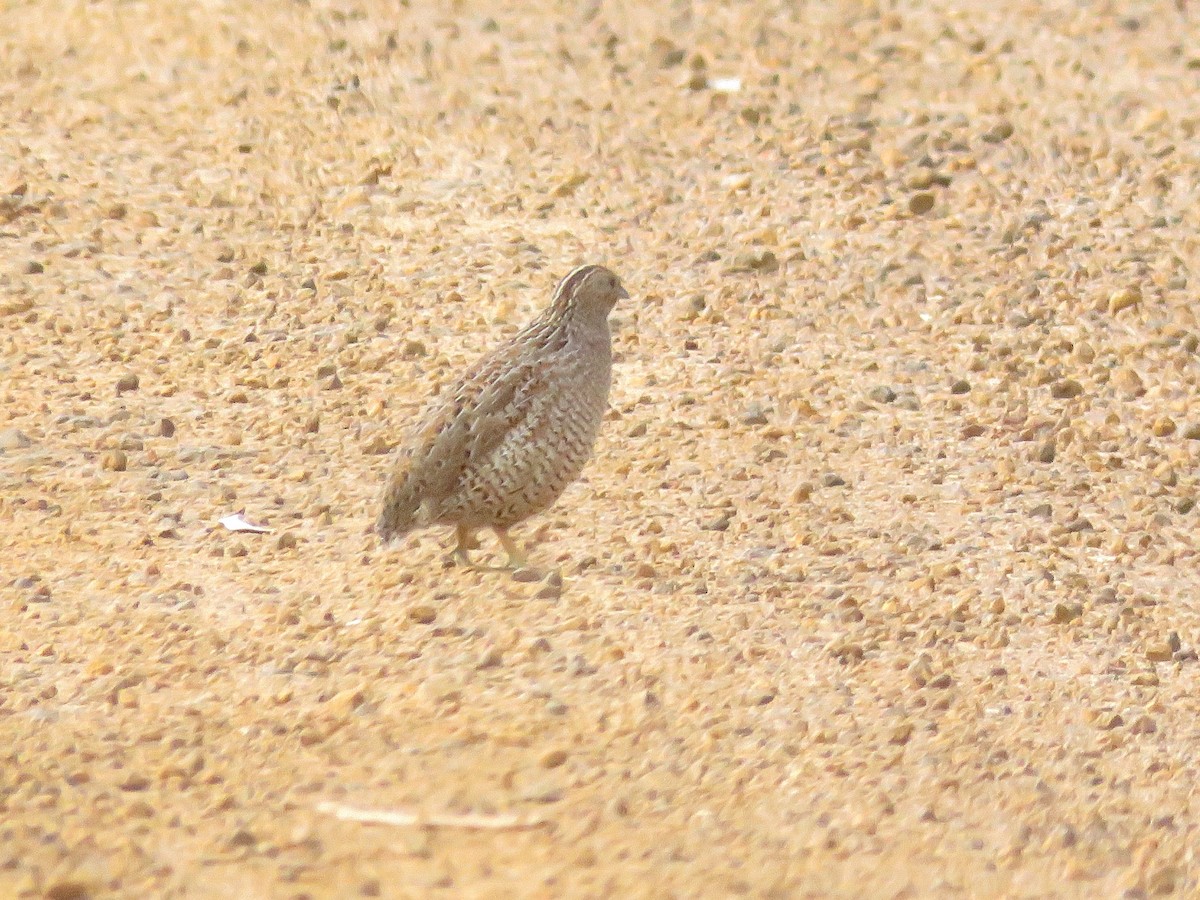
[504, 440]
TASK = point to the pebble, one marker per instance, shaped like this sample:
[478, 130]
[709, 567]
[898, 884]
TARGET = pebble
[754, 415]
[665, 54]
[1128, 383]
[901, 733]
[1067, 612]
[920, 180]
[492, 658]
[135, 782]
[570, 184]
[14, 439]
[242, 838]
[377, 446]
[551, 589]
[921, 203]
[999, 132]
[580, 667]
[720, 523]
[70, 889]
[1107, 721]
[1166, 880]
[552, 759]
[752, 115]
[1066, 389]
[688, 308]
[1123, 299]
[1143, 724]
[347, 702]
[1163, 650]
[127, 382]
[1163, 426]
[114, 461]
[755, 261]
[422, 614]
[440, 688]
[543, 792]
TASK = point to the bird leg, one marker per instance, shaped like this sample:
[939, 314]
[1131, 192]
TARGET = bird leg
[465, 543]
[516, 556]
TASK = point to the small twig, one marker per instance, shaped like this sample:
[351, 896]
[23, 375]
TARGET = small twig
[403, 818]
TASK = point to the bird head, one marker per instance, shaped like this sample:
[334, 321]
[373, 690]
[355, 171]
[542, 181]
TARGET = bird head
[589, 291]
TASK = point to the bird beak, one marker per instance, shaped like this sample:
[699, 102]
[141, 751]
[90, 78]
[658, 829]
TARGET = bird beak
[622, 294]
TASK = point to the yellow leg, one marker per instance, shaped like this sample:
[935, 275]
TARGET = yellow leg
[516, 556]
[465, 543]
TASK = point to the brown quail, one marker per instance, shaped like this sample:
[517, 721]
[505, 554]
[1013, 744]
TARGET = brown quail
[505, 439]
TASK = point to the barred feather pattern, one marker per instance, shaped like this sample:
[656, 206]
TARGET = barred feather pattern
[507, 438]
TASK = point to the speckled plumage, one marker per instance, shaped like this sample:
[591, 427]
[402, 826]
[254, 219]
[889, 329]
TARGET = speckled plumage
[503, 442]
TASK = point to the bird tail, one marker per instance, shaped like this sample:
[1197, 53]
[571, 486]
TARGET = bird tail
[400, 508]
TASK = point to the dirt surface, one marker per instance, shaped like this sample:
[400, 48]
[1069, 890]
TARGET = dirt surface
[883, 582]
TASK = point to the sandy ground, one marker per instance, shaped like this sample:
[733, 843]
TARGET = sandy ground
[883, 582]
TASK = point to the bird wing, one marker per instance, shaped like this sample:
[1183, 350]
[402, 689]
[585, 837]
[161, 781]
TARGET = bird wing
[463, 431]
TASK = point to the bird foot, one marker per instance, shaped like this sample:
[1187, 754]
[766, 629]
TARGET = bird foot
[518, 563]
[517, 560]
[465, 542]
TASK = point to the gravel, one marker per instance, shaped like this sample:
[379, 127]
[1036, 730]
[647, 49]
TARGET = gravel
[882, 582]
